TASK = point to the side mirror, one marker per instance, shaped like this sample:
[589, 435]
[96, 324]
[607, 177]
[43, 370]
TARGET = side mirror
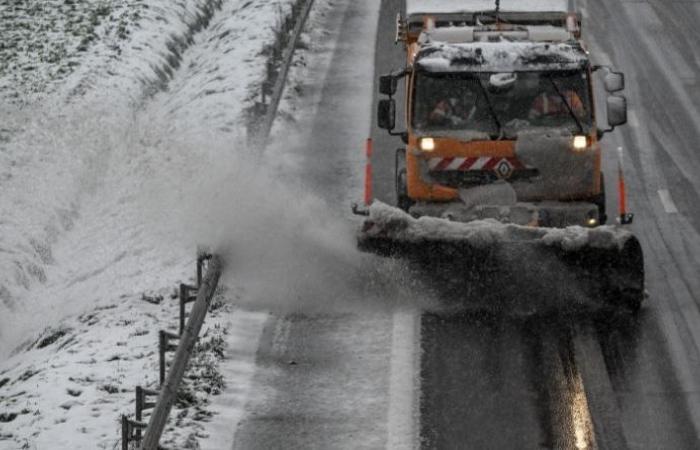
[614, 82]
[387, 85]
[386, 114]
[617, 110]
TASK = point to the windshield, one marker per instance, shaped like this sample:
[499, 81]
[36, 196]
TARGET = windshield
[499, 105]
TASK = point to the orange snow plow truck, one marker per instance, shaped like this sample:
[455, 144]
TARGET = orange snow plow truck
[499, 182]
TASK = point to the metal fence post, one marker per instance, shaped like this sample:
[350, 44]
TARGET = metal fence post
[125, 433]
[161, 357]
[164, 346]
[139, 409]
[199, 271]
[202, 256]
[185, 298]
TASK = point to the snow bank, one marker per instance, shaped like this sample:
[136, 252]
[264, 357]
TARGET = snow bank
[68, 388]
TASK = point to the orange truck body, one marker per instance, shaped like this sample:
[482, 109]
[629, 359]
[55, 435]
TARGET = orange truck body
[420, 189]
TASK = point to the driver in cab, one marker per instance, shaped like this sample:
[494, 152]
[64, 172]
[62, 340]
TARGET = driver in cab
[551, 103]
[453, 110]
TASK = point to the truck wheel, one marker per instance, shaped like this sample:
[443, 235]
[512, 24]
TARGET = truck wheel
[403, 201]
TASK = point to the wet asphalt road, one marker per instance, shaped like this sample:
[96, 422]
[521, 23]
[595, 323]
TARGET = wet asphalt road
[499, 381]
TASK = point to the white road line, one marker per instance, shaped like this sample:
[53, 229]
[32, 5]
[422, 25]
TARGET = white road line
[633, 119]
[667, 201]
[403, 411]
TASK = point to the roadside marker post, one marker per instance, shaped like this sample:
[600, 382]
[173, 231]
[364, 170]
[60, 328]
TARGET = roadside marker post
[368, 172]
[626, 218]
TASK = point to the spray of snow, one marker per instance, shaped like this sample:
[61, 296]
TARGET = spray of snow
[286, 249]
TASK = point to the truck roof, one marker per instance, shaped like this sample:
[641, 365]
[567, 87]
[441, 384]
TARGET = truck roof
[421, 7]
[503, 56]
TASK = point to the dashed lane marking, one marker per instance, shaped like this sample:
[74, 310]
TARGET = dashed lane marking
[667, 201]
[402, 427]
[633, 119]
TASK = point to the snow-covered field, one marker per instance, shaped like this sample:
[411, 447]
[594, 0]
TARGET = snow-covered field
[122, 148]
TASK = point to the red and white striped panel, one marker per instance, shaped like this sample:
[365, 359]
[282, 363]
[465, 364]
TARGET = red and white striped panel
[466, 164]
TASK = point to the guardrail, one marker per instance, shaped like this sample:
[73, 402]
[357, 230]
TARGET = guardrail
[188, 338]
[263, 113]
[148, 434]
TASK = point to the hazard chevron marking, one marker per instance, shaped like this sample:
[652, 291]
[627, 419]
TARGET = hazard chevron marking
[464, 164]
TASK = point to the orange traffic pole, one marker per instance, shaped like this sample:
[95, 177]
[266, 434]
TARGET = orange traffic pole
[625, 217]
[621, 191]
[368, 172]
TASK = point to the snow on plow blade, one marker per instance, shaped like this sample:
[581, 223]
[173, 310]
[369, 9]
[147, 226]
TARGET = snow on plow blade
[525, 269]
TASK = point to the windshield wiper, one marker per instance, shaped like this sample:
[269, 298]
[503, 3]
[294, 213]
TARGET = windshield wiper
[491, 110]
[568, 106]
[493, 14]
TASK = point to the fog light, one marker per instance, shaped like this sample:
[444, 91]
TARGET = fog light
[592, 222]
[580, 142]
[427, 144]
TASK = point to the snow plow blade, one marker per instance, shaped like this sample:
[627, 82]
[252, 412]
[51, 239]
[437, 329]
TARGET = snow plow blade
[491, 264]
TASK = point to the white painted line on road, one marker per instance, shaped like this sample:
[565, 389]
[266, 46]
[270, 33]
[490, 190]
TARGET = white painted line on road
[667, 201]
[403, 414]
[633, 119]
[598, 412]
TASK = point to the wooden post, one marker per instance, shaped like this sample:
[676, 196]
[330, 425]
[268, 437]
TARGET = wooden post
[188, 339]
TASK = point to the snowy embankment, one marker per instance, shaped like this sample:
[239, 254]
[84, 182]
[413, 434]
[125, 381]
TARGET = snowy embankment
[112, 170]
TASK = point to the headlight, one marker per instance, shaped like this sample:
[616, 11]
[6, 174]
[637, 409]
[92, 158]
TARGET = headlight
[580, 143]
[427, 144]
[592, 222]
